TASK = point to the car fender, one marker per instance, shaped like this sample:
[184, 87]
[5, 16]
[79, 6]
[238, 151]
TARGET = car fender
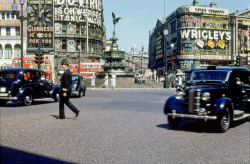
[221, 103]
[23, 91]
[54, 90]
[174, 104]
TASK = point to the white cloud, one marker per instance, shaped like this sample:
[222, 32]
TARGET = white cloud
[145, 11]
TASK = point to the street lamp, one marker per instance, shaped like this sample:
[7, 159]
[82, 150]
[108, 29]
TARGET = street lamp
[172, 46]
[22, 18]
[79, 57]
[39, 36]
[166, 82]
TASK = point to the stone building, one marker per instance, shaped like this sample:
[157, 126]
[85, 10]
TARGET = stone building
[192, 36]
[10, 38]
[79, 31]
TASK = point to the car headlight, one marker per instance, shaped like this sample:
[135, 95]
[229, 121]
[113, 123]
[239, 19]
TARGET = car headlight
[179, 95]
[205, 96]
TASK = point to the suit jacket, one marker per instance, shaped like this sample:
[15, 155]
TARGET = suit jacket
[66, 81]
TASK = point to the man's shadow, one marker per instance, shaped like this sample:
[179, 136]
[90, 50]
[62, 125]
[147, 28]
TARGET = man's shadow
[57, 117]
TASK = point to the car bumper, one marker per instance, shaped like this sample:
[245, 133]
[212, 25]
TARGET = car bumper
[9, 98]
[74, 93]
[204, 117]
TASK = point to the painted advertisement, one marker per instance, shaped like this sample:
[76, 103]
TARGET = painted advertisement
[79, 11]
[40, 20]
[159, 46]
[211, 36]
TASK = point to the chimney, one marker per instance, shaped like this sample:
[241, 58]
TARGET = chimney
[195, 2]
[213, 4]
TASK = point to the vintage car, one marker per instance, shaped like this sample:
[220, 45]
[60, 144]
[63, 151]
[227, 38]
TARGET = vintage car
[78, 86]
[24, 85]
[221, 95]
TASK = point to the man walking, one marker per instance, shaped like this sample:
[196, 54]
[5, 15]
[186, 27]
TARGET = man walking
[66, 81]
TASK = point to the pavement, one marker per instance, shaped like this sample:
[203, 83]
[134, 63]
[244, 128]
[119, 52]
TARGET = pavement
[125, 83]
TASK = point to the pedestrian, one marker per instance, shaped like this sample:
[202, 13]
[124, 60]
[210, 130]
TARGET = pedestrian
[113, 80]
[106, 81]
[93, 80]
[66, 82]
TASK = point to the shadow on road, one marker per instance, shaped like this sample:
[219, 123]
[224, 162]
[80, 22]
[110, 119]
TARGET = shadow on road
[199, 127]
[10, 155]
[17, 104]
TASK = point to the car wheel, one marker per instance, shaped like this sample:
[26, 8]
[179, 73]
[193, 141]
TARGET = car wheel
[173, 123]
[57, 97]
[28, 99]
[224, 120]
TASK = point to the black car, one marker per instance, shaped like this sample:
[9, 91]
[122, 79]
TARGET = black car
[221, 95]
[24, 85]
[78, 86]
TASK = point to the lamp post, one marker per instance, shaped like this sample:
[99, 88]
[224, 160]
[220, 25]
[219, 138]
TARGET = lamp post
[166, 82]
[172, 62]
[79, 57]
[39, 36]
[22, 18]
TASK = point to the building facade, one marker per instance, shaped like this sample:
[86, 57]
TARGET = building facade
[10, 38]
[191, 37]
[140, 58]
[79, 31]
[240, 22]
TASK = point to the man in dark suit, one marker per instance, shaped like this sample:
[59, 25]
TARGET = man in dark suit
[66, 81]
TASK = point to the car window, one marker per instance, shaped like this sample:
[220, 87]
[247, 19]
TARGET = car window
[7, 75]
[209, 75]
[27, 76]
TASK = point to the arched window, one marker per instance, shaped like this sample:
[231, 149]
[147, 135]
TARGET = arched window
[17, 51]
[1, 52]
[8, 52]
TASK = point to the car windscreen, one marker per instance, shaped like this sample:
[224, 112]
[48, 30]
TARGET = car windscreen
[7, 75]
[209, 76]
[74, 78]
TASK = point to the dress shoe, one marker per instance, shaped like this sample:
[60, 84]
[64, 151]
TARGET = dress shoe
[61, 118]
[77, 113]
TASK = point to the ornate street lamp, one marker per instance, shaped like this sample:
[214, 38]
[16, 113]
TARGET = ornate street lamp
[39, 36]
[79, 57]
[166, 81]
[172, 62]
[22, 18]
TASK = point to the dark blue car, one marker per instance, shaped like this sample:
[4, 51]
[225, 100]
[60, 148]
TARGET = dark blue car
[24, 85]
[221, 95]
[78, 86]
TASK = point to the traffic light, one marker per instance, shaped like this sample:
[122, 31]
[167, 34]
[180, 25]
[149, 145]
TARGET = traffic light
[39, 58]
[239, 61]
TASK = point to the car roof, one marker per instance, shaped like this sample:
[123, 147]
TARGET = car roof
[75, 74]
[218, 68]
[19, 70]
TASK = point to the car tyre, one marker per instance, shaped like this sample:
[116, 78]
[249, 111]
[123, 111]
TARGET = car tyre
[173, 123]
[224, 120]
[28, 99]
[57, 97]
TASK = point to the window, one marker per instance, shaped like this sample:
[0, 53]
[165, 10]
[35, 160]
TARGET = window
[1, 51]
[17, 50]
[3, 15]
[64, 45]
[17, 31]
[64, 27]
[7, 15]
[8, 52]
[7, 31]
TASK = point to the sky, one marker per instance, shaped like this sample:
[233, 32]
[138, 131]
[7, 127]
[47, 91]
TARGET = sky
[138, 17]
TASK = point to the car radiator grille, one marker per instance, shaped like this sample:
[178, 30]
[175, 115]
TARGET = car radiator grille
[194, 98]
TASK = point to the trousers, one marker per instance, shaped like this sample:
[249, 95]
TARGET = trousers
[65, 100]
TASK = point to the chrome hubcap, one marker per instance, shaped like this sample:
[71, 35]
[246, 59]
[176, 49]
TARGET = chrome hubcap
[28, 99]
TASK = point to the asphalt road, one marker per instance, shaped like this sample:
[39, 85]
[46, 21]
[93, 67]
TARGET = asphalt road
[123, 126]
